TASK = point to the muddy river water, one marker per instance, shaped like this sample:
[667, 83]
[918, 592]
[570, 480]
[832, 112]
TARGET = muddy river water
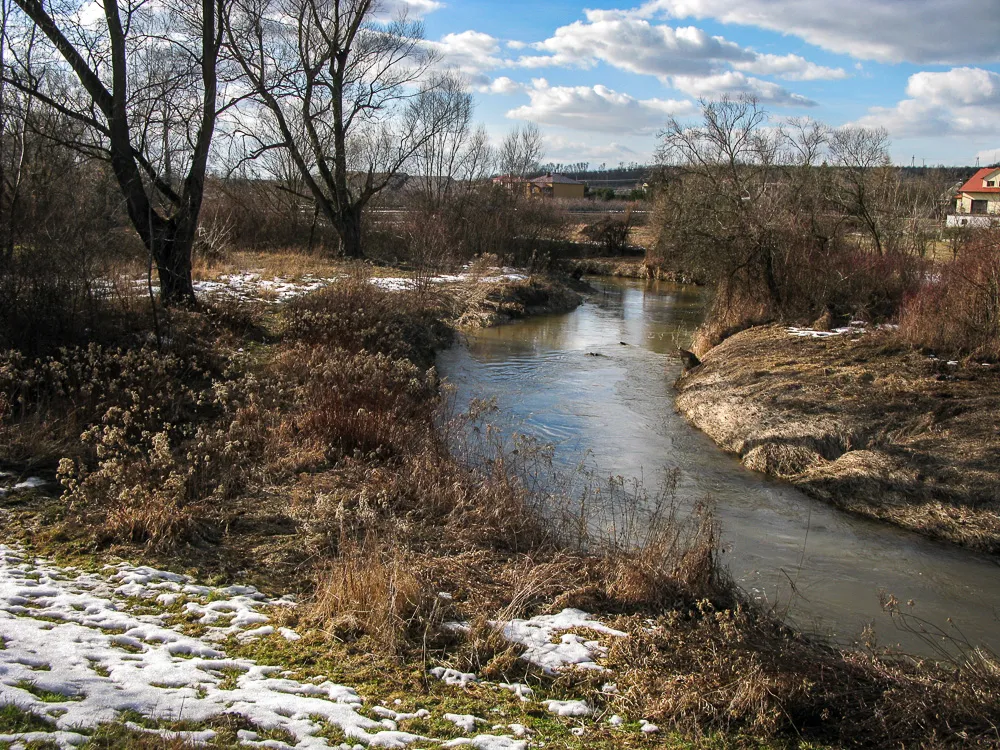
[615, 411]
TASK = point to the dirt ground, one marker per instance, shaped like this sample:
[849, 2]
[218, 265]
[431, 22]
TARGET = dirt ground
[862, 421]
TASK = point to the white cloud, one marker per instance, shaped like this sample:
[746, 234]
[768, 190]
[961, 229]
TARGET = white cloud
[596, 108]
[415, 9]
[791, 68]
[736, 83]
[502, 85]
[677, 56]
[961, 101]
[471, 53]
[559, 148]
[922, 31]
[637, 46]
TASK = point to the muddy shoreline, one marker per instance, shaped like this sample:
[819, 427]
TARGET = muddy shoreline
[860, 421]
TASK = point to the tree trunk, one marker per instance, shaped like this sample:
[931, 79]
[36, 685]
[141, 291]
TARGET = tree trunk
[172, 253]
[350, 234]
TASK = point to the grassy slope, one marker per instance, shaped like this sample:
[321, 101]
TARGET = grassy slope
[860, 421]
[308, 514]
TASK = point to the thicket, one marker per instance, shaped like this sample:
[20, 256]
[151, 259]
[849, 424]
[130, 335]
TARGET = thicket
[800, 223]
[956, 312]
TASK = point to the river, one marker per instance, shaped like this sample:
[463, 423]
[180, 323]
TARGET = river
[822, 568]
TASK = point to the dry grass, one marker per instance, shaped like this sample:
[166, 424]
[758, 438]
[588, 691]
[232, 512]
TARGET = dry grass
[484, 304]
[958, 314]
[864, 422]
[706, 669]
[311, 461]
[371, 589]
[290, 264]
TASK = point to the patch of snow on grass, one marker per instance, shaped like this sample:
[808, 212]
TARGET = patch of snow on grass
[488, 742]
[537, 635]
[80, 649]
[814, 334]
[104, 660]
[465, 722]
[569, 708]
[251, 286]
[453, 676]
[28, 484]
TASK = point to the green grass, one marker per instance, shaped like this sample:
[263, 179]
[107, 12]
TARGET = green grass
[15, 720]
[46, 696]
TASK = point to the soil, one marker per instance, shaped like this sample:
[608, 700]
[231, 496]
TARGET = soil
[862, 421]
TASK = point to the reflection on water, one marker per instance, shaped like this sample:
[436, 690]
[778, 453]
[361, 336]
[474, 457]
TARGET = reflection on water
[597, 383]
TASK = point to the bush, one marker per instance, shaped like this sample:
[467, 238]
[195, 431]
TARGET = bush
[356, 316]
[958, 312]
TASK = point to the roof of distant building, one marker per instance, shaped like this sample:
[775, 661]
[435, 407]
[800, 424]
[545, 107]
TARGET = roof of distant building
[552, 179]
[975, 183]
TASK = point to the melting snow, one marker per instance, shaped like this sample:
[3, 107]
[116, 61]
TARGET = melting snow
[250, 286]
[572, 650]
[28, 484]
[77, 635]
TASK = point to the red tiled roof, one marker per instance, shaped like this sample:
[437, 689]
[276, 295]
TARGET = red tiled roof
[975, 183]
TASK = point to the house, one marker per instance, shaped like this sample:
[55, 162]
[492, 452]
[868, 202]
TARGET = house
[978, 200]
[557, 186]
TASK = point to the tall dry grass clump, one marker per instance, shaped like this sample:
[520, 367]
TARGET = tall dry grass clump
[359, 404]
[358, 316]
[371, 589]
[957, 313]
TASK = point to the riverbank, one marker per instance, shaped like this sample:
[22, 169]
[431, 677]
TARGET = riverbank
[408, 590]
[627, 268]
[862, 421]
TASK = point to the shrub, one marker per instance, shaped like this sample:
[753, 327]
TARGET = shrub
[958, 312]
[356, 316]
[359, 404]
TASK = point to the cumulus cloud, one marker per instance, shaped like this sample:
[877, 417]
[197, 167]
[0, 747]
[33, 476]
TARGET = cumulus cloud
[502, 85]
[635, 45]
[474, 54]
[960, 101]
[736, 83]
[596, 108]
[560, 148]
[791, 68]
[677, 56]
[921, 31]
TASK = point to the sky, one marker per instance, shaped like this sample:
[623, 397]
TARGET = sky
[601, 80]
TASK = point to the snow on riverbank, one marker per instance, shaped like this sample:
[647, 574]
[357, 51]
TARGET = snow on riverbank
[855, 326]
[79, 649]
[253, 287]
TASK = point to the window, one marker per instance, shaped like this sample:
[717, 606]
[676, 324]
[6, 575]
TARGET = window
[991, 183]
[979, 207]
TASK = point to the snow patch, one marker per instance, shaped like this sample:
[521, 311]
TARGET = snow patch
[537, 635]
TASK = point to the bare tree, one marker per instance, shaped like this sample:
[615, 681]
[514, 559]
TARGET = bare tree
[454, 154]
[145, 93]
[867, 188]
[521, 151]
[721, 213]
[340, 89]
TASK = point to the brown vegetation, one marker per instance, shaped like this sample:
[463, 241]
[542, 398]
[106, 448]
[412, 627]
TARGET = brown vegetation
[862, 421]
[299, 450]
[958, 314]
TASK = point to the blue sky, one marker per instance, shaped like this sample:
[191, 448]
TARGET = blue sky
[601, 79]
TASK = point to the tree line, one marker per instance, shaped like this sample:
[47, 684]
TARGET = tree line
[328, 97]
